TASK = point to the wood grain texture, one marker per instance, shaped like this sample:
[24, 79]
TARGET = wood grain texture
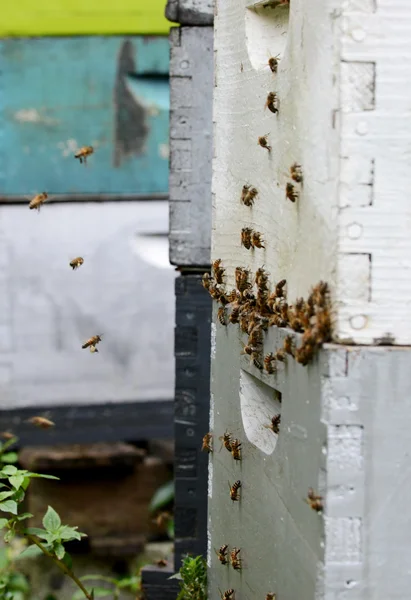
[108, 92]
[191, 146]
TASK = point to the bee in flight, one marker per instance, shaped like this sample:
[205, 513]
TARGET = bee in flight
[41, 422]
[76, 262]
[83, 153]
[38, 200]
[92, 342]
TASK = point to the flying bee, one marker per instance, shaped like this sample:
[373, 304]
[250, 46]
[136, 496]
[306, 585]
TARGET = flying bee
[248, 195]
[257, 240]
[41, 422]
[92, 341]
[235, 560]
[291, 193]
[76, 262]
[218, 271]
[296, 173]
[226, 440]
[314, 501]
[222, 554]
[7, 435]
[206, 281]
[236, 449]
[207, 442]
[227, 595]
[162, 518]
[93, 349]
[221, 315]
[272, 102]
[275, 424]
[246, 234]
[38, 201]
[263, 142]
[234, 491]
[270, 363]
[83, 153]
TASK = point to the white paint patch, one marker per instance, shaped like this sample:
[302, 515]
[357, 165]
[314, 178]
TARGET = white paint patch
[32, 115]
[213, 339]
[164, 151]
[210, 479]
[211, 412]
[209, 547]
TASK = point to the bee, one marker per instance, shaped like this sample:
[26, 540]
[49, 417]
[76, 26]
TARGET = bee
[296, 173]
[273, 63]
[161, 562]
[92, 341]
[38, 201]
[314, 501]
[246, 234]
[275, 424]
[221, 316]
[234, 491]
[270, 363]
[242, 279]
[279, 288]
[248, 195]
[272, 102]
[83, 153]
[207, 442]
[261, 278]
[222, 554]
[162, 518]
[291, 193]
[41, 422]
[270, 596]
[288, 345]
[280, 355]
[218, 271]
[236, 449]
[206, 281]
[256, 337]
[235, 314]
[226, 440]
[235, 560]
[76, 262]
[7, 435]
[257, 240]
[263, 142]
[227, 595]
[256, 360]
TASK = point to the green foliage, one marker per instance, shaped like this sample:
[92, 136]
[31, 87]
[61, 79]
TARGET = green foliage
[131, 584]
[162, 497]
[13, 585]
[193, 577]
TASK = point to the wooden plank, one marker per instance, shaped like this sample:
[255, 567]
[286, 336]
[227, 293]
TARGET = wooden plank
[74, 17]
[190, 12]
[108, 92]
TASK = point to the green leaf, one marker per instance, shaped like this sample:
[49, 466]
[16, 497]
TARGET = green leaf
[68, 533]
[30, 552]
[9, 506]
[59, 550]
[41, 533]
[24, 516]
[9, 470]
[67, 560]
[163, 496]
[9, 535]
[9, 457]
[176, 576]
[4, 495]
[16, 481]
[51, 520]
[170, 529]
[38, 475]
[3, 523]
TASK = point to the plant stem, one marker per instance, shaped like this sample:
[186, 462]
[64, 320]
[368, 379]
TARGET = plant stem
[61, 565]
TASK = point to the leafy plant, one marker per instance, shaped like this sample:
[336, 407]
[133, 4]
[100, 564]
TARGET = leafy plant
[193, 578]
[162, 498]
[13, 585]
[131, 584]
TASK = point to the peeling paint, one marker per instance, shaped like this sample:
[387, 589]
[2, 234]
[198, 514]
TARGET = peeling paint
[32, 115]
[164, 151]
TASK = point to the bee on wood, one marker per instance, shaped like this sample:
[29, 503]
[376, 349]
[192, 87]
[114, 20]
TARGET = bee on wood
[288, 345]
[218, 271]
[242, 279]
[221, 316]
[235, 560]
[92, 341]
[248, 195]
[226, 440]
[257, 240]
[76, 262]
[38, 201]
[261, 279]
[41, 422]
[275, 424]
[256, 337]
[161, 562]
[263, 142]
[270, 596]
[236, 449]
[296, 324]
[279, 288]
[206, 281]
[290, 192]
[314, 501]
[222, 554]
[270, 363]
[234, 491]
[272, 102]
[227, 595]
[235, 314]
[247, 349]
[280, 355]
[277, 321]
[233, 296]
[83, 153]
[207, 442]
[305, 354]
[296, 173]
[246, 233]
[273, 63]
[256, 360]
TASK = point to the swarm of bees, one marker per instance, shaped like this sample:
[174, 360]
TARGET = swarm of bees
[314, 501]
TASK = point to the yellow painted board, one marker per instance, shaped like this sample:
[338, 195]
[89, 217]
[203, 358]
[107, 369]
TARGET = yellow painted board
[82, 17]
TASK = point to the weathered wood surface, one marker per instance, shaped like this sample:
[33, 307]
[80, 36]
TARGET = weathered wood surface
[190, 12]
[191, 146]
[344, 108]
[108, 92]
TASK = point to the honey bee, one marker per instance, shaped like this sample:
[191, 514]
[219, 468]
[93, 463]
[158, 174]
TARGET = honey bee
[235, 560]
[227, 595]
[279, 288]
[296, 173]
[275, 424]
[218, 271]
[242, 279]
[234, 491]
[162, 518]
[246, 233]
[248, 195]
[38, 201]
[235, 314]
[270, 596]
[263, 142]
[83, 153]
[161, 562]
[273, 63]
[236, 449]
[256, 360]
[41, 422]
[206, 281]
[221, 315]
[291, 193]
[226, 441]
[92, 341]
[288, 345]
[222, 554]
[272, 102]
[314, 501]
[280, 355]
[270, 363]
[256, 337]
[76, 262]
[7, 435]
[207, 442]
[257, 240]
[93, 349]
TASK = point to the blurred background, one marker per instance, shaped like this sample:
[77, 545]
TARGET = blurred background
[77, 73]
